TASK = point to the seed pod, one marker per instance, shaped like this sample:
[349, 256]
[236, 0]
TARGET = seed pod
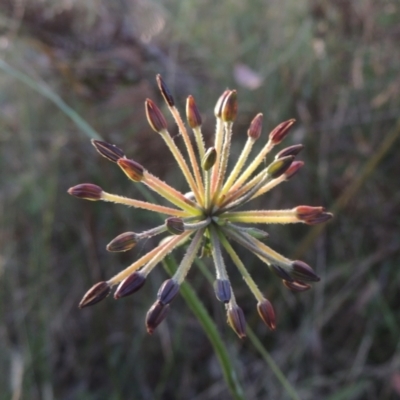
[123, 242]
[267, 313]
[107, 150]
[155, 316]
[86, 191]
[155, 117]
[236, 320]
[132, 169]
[192, 113]
[165, 91]
[130, 285]
[297, 286]
[255, 127]
[209, 159]
[304, 272]
[220, 102]
[293, 169]
[281, 131]
[229, 107]
[95, 294]
[279, 166]
[175, 225]
[168, 291]
[222, 289]
[290, 151]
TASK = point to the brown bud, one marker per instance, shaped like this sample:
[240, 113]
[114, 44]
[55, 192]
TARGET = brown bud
[267, 313]
[175, 225]
[229, 107]
[95, 294]
[280, 132]
[123, 242]
[312, 215]
[236, 320]
[168, 291]
[156, 315]
[297, 286]
[192, 113]
[155, 117]
[132, 169]
[209, 159]
[86, 191]
[280, 166]
[293, 169]
[130, 285]
[304, 272]
[165, 91]
[107, 150]
[255, 127]
[220, 102]
[222, 289]
[281, 272]
[290, 151]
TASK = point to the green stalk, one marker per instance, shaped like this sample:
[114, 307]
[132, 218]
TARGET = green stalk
[44, 90]
[211, 331]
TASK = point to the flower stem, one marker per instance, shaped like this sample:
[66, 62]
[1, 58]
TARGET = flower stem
[211, 331]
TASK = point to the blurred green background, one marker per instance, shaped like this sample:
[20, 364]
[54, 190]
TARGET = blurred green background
[334, 65]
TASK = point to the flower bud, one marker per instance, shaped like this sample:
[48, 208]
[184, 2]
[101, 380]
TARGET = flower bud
[107, 150]
[95, 294]
[236, 320]
[155, 117]
[280, 166]
[255, 127]
[222, 289]
[192, 113]
[165, 91]
[297, 286]
[123, 242]
[209, 159]
[168, 291]
[229, 107]
[304, 272]
[175, 225]
[156, 315]
[293, 169]
[86, 191]
[132, 169]
[290, 151]
[130, 285]
[281, 131]
[267, 313]
[312, 215]
[220, 102]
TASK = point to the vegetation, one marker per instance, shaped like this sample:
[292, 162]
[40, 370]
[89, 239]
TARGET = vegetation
[71, 72]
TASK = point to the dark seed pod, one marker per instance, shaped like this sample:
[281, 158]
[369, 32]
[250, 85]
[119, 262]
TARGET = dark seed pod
[222, 289]
[130, 285]
[95, 294]
[168, 291]
[156, 315]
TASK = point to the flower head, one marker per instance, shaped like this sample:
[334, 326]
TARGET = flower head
[208, 216]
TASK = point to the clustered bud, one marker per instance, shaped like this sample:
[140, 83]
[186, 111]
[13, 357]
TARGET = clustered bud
[222, 289]
[132, 169]
[207, 215]
[95, 294]
[86, 191]
[236, 320]
[123, 242]
[130, 285]
[107, 150]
